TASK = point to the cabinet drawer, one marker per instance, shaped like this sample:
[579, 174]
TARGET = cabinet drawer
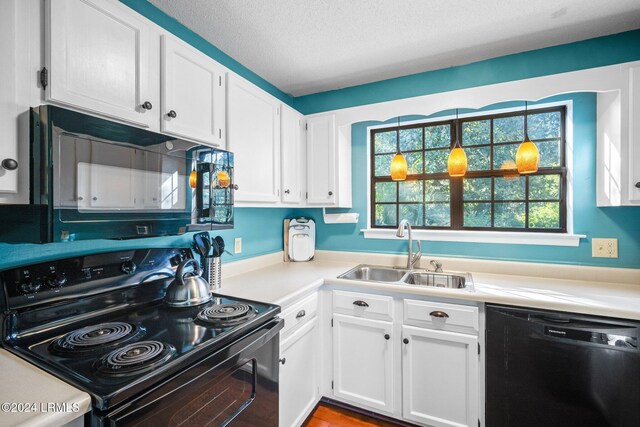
[440, 315]
[363, 305]
[298, 313]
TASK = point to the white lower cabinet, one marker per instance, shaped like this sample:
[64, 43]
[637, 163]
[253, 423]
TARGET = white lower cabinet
[363, 362]
[439, 377]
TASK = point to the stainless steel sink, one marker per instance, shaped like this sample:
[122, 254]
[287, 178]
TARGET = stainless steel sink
[374, 273]
[404, 276]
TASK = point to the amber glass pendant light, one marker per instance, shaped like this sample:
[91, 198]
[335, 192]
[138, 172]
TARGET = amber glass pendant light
[527, 156]
[457, 163]
[193, 178]
[399, 163]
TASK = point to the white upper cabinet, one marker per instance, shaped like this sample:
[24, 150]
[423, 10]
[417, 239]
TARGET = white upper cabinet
[192, 93]
[321, 164]
[253, 135]
[292, 166]
[98, 60]
[634, 139]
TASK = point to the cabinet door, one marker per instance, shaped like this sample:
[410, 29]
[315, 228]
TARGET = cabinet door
[192, 91]
[321, 160]
[98, 56]
[363, 362]
[439, 377]
[299, 375]
[634, 137]
[253, 135]
[291, 165]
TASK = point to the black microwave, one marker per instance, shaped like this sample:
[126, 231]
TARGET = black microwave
[92, 178]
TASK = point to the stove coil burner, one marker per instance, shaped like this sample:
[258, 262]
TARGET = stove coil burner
[227, 314]
[95, 337]
[135, 358]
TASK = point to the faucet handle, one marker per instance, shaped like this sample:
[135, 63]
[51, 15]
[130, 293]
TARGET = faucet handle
[437, 265]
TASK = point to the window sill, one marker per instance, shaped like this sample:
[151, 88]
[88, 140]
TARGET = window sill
[496, 237]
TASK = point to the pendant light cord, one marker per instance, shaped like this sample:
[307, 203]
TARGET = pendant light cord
[526, 128]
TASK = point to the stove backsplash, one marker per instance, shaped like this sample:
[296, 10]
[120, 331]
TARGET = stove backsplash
[92, 178]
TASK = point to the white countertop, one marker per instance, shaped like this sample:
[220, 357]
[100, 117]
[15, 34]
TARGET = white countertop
[30, 396]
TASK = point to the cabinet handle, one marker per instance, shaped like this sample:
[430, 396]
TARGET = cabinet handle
[406, 340]
[10, 164]
[439, 314]
[287, 191]
[172, 114]
[283, 360]
[387, 336]
[638, 184]
[360, 303]
[331, 193]
[300, 314]
[147, 105]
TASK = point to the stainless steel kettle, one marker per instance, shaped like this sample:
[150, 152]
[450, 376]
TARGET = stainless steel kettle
[188, 289]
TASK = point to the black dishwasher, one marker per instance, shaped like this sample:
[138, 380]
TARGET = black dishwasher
[547, 368]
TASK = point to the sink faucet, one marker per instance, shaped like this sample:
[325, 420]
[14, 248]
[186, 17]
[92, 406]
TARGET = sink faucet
[411, 259]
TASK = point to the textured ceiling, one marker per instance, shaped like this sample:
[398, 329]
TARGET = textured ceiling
[308, 46]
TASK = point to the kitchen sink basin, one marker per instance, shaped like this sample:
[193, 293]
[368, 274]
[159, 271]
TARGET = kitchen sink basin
[373, 273]
[404, 276]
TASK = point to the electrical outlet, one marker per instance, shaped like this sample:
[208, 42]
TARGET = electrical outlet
[604, 248]
[237, 245]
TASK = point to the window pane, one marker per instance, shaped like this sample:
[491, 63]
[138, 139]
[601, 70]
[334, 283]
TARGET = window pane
[412, 213]
[382, 164]
[549, 153]
[478, 158]
[437, 215]
[476, 189]
[545, 125]
[508, 188]
[411, 191]
[437, 136]
[384, 142]
[508, 129]
[410, 139]
[414, 162]
[386, 215]
[437, 161]
[436, 190]
[475, 133]
[477, 215]
[509, 215]
[544, 187]
[385, 191]
[544, 215]
[504, 156]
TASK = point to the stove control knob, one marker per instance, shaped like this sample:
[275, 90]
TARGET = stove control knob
[56, 280]
[128, 267]
[30, 287]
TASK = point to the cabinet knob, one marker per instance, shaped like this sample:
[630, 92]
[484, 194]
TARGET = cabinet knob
[638, 184]
[147, 105]
[283, 360]
[94, 198]
[439, 314]
[360, 303]
[10, 164]
[331, 193]
[172, 114]
[406, 340]
[235, 186]
[80, 198]
[387, 336]
[300, 314]
[287, 191]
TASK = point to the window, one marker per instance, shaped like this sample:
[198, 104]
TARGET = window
[491, 196]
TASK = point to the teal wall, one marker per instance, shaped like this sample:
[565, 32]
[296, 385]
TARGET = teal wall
[601, 51]
[259, 228]
[622, 223]
[146, 9]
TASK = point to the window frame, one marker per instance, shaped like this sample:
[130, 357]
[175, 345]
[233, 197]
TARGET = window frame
[456, 201]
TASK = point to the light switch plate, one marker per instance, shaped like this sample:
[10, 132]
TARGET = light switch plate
[604, 248]
[237, 245]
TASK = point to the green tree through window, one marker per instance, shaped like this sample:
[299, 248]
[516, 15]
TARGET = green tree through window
[491, 196]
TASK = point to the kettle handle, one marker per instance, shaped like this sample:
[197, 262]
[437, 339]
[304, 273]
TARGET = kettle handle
[181, 267]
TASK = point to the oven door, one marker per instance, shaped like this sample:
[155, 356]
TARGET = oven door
[236, 386]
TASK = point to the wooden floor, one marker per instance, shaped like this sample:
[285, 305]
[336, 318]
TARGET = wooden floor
[332, 416]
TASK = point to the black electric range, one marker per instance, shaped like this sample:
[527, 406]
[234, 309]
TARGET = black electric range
[99, 322]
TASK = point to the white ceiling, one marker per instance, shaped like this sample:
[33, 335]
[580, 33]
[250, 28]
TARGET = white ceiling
[308, 46]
